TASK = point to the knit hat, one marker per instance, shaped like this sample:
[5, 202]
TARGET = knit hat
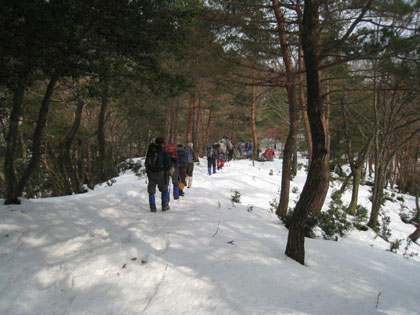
[159, 140]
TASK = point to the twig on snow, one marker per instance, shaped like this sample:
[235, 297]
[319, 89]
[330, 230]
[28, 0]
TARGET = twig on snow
[218, 224]
[377, 299]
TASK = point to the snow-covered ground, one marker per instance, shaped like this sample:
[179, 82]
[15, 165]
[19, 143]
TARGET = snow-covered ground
[104, 253]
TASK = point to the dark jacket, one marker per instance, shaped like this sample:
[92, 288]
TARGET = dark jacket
[181, 157]
[157, 159]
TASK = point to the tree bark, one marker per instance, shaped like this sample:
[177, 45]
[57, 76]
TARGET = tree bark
[101, 133]
[253, 125]
[190, 123]
[317, 181]
[290, 145]
[417, 216]
[415, 235]
[209, 121]
[357, 172]
[303, 107]
[11, 142]
[377, 196]
[37, 137]
[65, 147]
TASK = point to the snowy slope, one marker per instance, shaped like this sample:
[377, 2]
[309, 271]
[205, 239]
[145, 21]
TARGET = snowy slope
[104, 253]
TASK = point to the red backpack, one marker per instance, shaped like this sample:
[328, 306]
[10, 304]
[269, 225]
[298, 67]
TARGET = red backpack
[171, 149]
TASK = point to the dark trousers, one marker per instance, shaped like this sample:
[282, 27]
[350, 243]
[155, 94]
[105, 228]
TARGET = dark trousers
[183, 174]
[158, 179]
[190, 169]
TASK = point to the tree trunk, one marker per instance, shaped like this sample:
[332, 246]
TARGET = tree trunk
[253, 126]
[208, 125]
[357, 172]
[175, 130]
[196, 133]
[415, 235]
[65, 147]
[288, 151]
[303, 107]
[417, 216]
[190, 123]
[377, 196]
[11, 142]
[37, 137]
[290, 145]
[317, 181]
[101, 133]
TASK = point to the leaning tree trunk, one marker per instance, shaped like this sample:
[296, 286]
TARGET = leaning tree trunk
[37, 137]
[317, 181]
[11, 142]
[290, 145]
[65, 147]
[415, 235]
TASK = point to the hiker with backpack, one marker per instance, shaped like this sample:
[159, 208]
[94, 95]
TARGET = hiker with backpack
[230, 147]
[175, 177]
[182, 163]
[190, 166]
[158, 165]
[211, 160]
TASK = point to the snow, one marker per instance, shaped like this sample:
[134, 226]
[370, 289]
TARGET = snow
[104, 252]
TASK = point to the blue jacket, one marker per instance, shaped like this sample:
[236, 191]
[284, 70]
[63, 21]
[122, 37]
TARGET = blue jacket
[190, 155]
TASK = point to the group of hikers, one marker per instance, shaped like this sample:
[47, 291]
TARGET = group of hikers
[176, 162]
[164, 161]
[218, 153]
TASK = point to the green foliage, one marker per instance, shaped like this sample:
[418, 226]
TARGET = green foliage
[385, 232]
[361, 218]
[333, 222]
[395, 245]
[407, 253]
[236, 196]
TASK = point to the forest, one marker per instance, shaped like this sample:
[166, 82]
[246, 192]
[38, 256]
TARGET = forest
[86, 85]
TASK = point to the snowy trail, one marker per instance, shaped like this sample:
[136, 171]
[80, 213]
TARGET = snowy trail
[104, 253]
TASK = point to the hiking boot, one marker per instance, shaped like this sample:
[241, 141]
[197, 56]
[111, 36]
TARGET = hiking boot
[165, 207]
[152, 208]
[181, 193]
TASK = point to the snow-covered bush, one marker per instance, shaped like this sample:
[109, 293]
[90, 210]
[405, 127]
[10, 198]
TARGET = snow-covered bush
[273, 205]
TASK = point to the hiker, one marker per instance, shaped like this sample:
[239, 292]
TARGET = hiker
[230, 150]
[171, 149]
[190, 166]
[211, 160]
[269, 154]
[158, 165]
[222, 155]
[182, 163]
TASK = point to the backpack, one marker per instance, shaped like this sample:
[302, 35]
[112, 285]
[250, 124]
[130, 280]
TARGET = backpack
[154, 159]
[182, 157]
[209, 150]
[171, 149]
